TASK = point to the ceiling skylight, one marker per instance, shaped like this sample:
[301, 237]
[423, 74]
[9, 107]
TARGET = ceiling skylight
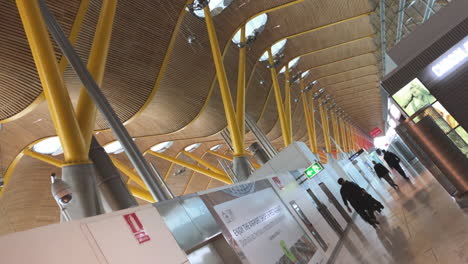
[252, 28]
[161, 147]
[275, 49]
[216, 147]
[216, 7]
[49, 146]
[192, 147]
[292, 63]
[114, 147]
[305, 74]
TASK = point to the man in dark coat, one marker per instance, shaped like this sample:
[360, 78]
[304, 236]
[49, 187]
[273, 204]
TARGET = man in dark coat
[394, 162]
[382, 172]
[357, 197]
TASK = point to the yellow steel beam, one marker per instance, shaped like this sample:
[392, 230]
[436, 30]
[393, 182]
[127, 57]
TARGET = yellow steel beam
[240, 108]
[60, 106]
[203, 162]
[141, 193]
[343, 136]
[336, 131]
[312, 122]
[326, 134]
[310, 132]
[224, 86]
[279, 101]
[226, 157]
[86, 109]
[217, 176]
[129, 172]
[287, 100]
[45, 158]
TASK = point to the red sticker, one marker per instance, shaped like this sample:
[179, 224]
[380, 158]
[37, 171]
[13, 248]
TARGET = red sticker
[137, 228]
[278, 182]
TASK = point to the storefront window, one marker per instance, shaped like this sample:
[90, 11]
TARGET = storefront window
[413, 97]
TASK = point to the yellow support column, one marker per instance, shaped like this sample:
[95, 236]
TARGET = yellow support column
[141, 193]
[307, 115]
[203, 162]
[343, 135]
[129, 172]
[336, 132]
[224, 86]
[58, 100]
[45, 158]
[279, 101]
[240, 108]
[220, 177]
[287, 101]
[86, 109]
[312, 121]
[326, 134]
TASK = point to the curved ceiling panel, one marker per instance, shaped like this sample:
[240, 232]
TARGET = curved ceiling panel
[19, 82]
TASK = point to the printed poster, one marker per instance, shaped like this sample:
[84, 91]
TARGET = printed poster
[258, 226]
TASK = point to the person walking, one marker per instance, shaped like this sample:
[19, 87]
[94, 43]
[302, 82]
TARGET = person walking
[393, 162]
[356, 196]
[382, 172]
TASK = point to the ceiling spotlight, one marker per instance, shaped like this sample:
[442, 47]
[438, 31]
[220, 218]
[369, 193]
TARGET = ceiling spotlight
[262, 82]
[296, 100]
[191, 39]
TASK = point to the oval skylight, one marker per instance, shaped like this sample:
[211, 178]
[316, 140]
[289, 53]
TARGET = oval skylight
[216, 7]
[49, 146]
[161, 147]
[275, 49]
[192, 147]
[304, 74]
[252, 28]
[215, 147]
[114, 147]
[292, 63]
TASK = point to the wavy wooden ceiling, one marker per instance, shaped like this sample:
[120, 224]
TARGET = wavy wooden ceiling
[187, 106]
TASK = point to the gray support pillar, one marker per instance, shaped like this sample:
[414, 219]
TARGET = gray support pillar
[260, 155]
[241, 168]
[133, 153]
[114, 192]
[85, 201]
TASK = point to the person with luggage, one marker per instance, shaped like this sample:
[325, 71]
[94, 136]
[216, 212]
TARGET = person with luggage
[362, 202]
[384, 173]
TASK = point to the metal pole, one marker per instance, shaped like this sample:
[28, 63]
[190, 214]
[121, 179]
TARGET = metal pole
[401, 17]
[202, 162]
[383, 43]
[114, 191]
[139, 162]
[279, 101]
[261, 137]
[307, 115]
[429, 10]
[240, 108]
[326, 134]
[287, 100]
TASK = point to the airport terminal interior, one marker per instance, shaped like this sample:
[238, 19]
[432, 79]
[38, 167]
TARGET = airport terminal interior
[233, 131]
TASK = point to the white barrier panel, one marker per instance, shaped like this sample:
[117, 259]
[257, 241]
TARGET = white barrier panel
[258, 225]
[136, 235]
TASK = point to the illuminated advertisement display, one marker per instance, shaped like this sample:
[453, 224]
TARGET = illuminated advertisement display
[413, 96]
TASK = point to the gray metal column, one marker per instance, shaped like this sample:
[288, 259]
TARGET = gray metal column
[114, 192]
[259, 153]
[134, 154]
[401, 17]
[85, 201]
[335, 202]
[260, 136]
[326, 214]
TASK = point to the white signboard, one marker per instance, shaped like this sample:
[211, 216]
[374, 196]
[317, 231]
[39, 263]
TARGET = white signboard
[259, 226]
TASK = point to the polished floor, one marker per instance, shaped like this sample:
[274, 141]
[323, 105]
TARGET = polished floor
[420, 224]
